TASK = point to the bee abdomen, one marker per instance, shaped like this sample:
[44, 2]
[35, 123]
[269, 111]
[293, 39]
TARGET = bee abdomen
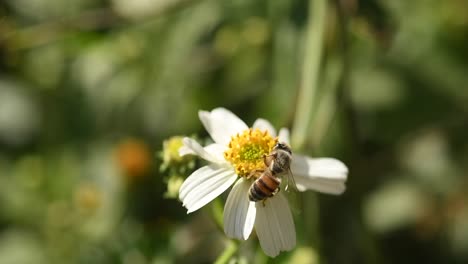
[263, 187]
[255, 194]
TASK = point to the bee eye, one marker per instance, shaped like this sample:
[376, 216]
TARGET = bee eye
[282, 146]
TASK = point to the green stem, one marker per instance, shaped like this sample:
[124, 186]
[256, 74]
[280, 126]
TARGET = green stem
[310, 71]
[327, 107]
[306, 105]
[228, 252]
[311, 220]
[217, 213]
[232, 246]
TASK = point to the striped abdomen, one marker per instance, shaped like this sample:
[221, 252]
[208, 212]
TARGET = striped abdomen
[263, 187]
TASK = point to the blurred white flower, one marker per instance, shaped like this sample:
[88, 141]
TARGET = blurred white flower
[20, 118]
[238, 150]
[17, 246]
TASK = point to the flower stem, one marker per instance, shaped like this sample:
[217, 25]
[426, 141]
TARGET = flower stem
[311, 217]
[217, 212]
[310, 71]
[326, 109]
[228, 252]
[306, 104]
[232, 246]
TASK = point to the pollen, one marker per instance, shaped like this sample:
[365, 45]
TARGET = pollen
[247, 149]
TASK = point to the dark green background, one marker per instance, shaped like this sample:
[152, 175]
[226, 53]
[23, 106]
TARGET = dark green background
[79, 78]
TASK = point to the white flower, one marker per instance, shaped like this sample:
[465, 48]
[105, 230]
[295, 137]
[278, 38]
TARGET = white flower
[238, 150]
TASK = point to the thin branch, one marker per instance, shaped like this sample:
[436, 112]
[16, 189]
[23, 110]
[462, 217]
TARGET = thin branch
[91, 20]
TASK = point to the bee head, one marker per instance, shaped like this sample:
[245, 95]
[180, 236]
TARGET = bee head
[283, 146]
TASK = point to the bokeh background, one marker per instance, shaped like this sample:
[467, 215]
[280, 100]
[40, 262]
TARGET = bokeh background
[89, 90]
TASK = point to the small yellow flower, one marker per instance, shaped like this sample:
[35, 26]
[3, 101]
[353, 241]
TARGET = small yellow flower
[173, 185]
[171, 148]
[88, 198]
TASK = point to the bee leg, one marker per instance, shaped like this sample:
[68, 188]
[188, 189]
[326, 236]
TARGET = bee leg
[263, 202]
[267, 159]
[254, 173]
[277, 190]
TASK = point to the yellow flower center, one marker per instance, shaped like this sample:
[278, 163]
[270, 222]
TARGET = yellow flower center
[246, 151]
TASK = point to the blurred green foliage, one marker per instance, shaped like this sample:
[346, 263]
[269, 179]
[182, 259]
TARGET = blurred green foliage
[89, 90]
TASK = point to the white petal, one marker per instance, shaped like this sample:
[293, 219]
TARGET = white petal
[221, 124]
[283, 136]
[319, 167]
[197, 149]
[275, 226]
[184, 150]
[239, 211]
[263, 125]
[326, 175]
[205, 184]
[216, 150]
[320, 185]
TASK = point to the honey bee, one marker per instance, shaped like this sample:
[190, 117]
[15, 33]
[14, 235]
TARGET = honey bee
[277, 163]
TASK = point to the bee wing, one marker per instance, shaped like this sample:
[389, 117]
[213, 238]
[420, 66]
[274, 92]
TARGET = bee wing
[290, 177]
[293, 198]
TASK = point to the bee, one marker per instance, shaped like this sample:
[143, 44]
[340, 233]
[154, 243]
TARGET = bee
[277, 163]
